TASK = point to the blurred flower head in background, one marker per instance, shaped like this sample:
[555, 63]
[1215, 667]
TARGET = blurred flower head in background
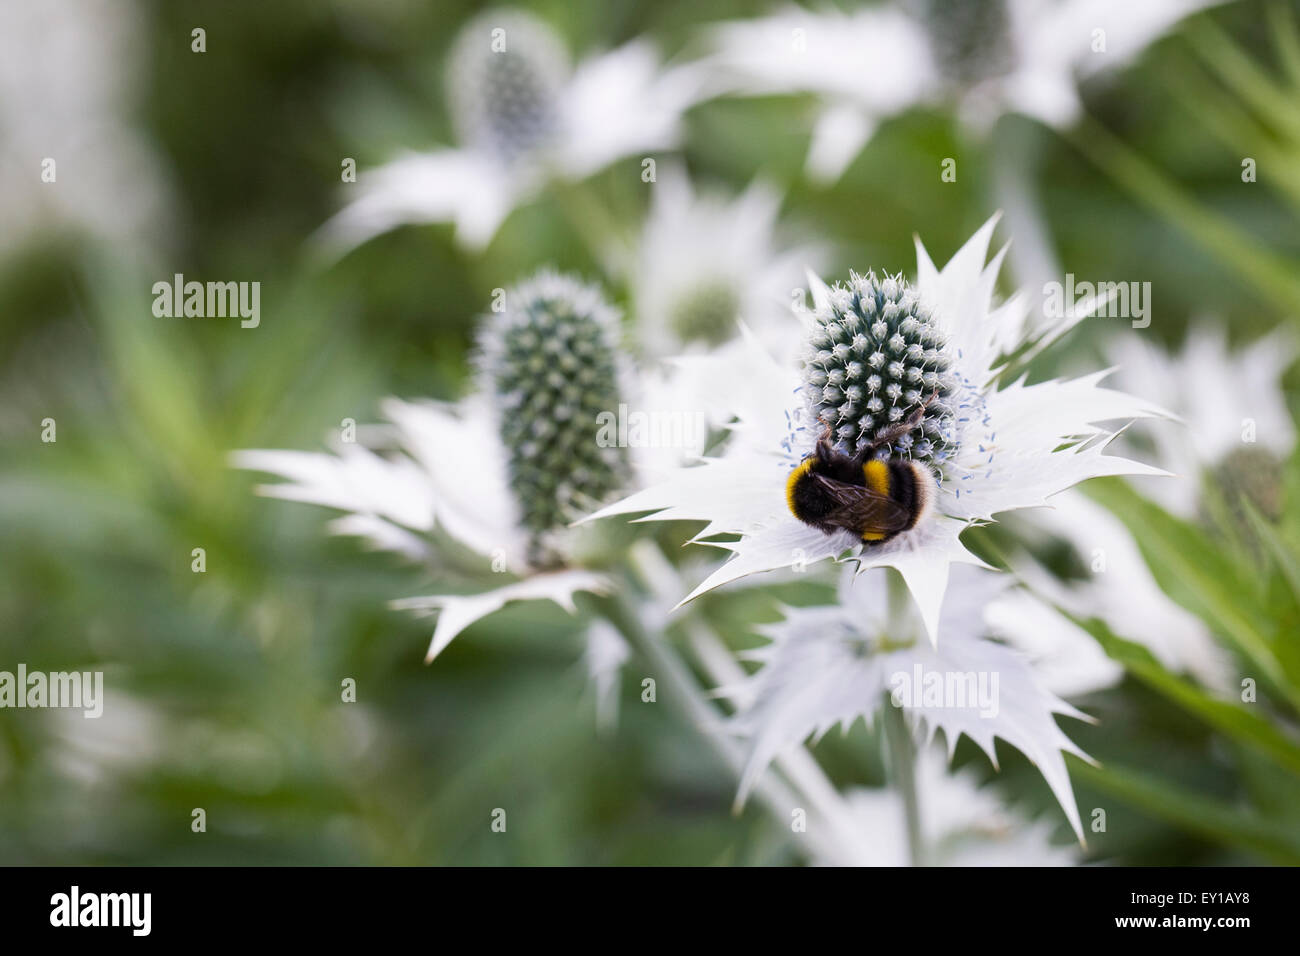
[524, 119]
[706, 263]
[986, 57]
[1231, 407]
[71, 152]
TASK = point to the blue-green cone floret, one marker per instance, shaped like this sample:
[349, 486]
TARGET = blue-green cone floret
[874, 355]
[969, 39]
[503, 78]
[551, 362]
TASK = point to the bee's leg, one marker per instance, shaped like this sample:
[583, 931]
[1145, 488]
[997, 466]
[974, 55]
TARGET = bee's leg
[824, 449]
[888, 436]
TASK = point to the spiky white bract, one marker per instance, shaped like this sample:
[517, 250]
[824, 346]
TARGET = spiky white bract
[1014, 446]
[1021, 56]
[705, 261]
[388, 498]
[831, 665]
[524, 119]
[443, 471]
[458, 612]
[1121, 590]
[1067, 660]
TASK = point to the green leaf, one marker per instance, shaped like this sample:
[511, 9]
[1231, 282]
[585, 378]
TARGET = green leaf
[1192, 568]
[1228, 718]
[1211, 819]
[1241, 73]
[1273, 275]
[1284, 557]
[1226, 119]
[1286, 38]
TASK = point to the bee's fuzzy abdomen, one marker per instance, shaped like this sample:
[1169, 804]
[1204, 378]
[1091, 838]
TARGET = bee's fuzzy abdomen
[912, 487]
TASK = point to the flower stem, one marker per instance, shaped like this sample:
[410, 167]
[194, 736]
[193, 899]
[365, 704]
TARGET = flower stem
[902, 758]
[810, 783]
[898, 736]
[685, 693]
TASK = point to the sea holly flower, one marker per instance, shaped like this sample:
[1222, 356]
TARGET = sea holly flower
[502, 472]
[987, 57]
[831, 665]
[523, 118]
[1232, 412]
[929, 355]
[705, 261]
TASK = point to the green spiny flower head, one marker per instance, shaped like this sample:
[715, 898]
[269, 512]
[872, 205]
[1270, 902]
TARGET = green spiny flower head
[1252, 477]
[504, 75]
[551, 362]
[874, 355]
[970, 39]
[707, 313]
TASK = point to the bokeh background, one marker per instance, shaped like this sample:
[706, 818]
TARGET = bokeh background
[224, 686]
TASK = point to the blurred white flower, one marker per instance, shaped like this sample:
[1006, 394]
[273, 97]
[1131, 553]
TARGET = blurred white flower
[1122, 592]
[1230, 403]
[704, 262]
[831, 665]
[523, 119]
[988, 57]
[129, 735]
[991, 448]
[67, 84]
[1231, 406]
[1067, 660]
[501, 472]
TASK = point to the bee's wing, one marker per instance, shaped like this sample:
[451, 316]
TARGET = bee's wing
[859, 509]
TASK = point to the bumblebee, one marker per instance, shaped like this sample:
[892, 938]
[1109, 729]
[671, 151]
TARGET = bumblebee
[874, 498]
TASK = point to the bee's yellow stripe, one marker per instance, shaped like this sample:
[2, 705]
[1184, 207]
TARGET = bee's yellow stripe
[805, 466]
[877, 475]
